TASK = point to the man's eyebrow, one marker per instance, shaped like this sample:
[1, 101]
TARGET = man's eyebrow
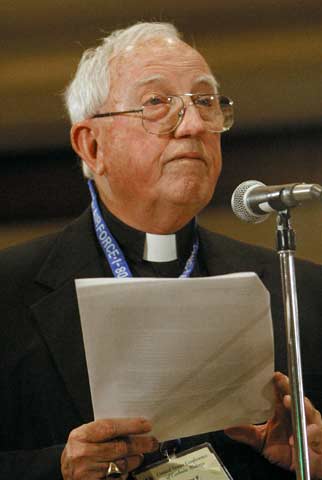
[151, 79]
[157, 78]
[210, 79]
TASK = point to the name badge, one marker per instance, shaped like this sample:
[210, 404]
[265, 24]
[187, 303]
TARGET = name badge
[199, 463]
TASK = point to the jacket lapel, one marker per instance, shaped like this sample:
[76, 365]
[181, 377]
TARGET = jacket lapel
[74, 255]
[57, 317]
[222, 255]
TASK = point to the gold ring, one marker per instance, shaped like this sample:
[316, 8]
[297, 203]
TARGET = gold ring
[113, 471]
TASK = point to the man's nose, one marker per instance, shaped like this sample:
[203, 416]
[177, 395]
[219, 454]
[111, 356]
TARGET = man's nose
[191, 124]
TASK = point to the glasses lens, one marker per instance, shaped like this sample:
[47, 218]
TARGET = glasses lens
[227, 107]
[216, 111]
[161, 114]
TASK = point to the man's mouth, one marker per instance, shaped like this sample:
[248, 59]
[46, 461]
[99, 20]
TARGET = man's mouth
[189, 155]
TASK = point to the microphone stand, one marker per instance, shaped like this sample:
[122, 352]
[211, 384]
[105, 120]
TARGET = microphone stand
[285, 243]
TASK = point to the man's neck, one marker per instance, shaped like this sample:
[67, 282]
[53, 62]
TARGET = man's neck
[159, 219]
[139, 245]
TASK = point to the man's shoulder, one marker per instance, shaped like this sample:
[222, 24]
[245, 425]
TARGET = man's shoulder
[24, 260]
[226, 247]
[20, 266]
[30, 253]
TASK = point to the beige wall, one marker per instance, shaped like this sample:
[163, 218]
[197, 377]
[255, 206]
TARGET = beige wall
[266, 54]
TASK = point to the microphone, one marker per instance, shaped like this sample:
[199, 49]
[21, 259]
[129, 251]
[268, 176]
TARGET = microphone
[253, 201]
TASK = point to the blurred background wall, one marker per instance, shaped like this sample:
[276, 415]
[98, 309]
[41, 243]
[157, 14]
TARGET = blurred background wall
[266, 54]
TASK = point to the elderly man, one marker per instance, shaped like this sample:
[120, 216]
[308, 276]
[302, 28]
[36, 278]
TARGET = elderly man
[146, 122]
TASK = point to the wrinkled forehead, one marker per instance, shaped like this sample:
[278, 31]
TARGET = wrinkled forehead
[167, 59]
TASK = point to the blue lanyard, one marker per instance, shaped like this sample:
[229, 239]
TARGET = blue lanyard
[113, 252]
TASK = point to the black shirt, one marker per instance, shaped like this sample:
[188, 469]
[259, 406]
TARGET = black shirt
[131, 242]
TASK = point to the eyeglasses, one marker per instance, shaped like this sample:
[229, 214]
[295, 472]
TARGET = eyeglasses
[162, 114]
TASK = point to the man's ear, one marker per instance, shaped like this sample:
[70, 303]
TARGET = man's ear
[84, 143]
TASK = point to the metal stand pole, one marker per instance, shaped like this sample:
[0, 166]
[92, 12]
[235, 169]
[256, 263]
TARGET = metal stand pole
[286, 247]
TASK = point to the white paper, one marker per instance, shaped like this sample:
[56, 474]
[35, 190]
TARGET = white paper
[192, 355]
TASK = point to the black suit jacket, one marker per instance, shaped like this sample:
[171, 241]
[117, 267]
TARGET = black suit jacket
[44, 382]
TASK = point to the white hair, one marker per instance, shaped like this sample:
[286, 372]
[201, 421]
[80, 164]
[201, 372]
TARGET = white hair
[90, 86]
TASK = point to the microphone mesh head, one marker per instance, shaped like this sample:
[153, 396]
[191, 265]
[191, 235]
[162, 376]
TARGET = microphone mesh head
[239, 202]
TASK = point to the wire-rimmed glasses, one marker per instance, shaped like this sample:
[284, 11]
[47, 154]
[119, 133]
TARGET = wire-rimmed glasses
[162, 114]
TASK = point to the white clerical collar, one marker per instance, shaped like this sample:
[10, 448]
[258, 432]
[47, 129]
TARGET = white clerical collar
[160, 248]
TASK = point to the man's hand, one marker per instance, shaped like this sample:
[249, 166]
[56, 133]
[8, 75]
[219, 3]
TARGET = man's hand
[92, 446]
[274, 439]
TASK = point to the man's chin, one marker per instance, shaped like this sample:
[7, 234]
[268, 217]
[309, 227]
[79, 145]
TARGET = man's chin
[190, 194]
